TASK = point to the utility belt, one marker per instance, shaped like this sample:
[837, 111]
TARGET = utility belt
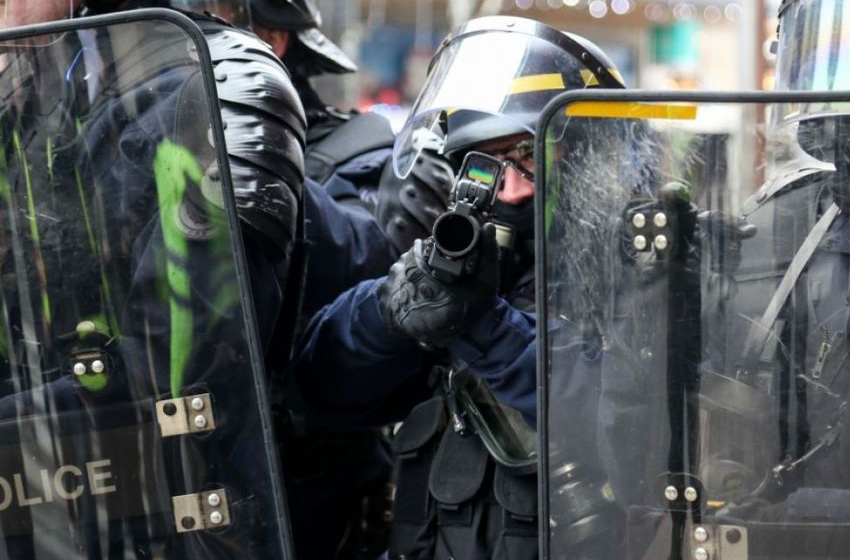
[452, 499]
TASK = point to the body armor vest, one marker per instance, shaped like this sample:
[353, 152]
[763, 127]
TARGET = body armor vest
[452, 499]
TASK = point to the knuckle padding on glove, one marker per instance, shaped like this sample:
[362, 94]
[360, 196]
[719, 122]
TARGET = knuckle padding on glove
[420, 306]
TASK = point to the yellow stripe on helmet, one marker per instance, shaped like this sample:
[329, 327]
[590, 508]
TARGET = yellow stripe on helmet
[626, 110]
[537, 82]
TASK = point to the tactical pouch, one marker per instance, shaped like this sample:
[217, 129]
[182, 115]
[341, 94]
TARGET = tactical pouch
[483, 511]
[464, 521]
[414, 514]
[517, 496]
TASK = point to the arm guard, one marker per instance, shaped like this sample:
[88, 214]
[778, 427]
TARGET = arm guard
[264, 127]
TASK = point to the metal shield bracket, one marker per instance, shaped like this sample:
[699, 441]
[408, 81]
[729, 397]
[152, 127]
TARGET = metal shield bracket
[711, 542]
[196, 512]
[185, 415]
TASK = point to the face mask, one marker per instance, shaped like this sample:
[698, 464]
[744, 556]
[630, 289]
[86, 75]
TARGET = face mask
[518, 259]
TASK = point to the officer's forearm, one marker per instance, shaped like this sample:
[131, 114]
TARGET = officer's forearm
[500, 348]
[346, 247]
[348, 359]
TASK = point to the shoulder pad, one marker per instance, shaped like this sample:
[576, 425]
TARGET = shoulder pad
[364, 133]
[264, 128]
[783, 184]
[407, 208]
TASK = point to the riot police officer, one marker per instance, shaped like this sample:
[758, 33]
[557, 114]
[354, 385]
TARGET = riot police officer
[346, 151]
[809, 482]
[111, 142]
[465, 482]
[719, 346]
[263, 168]
[348, 154]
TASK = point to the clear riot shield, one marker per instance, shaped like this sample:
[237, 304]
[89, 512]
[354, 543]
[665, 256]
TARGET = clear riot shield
[694, 342]
[133, 419]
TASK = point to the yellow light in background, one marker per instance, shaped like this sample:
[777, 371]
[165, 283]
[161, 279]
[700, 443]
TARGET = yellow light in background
[768, 80]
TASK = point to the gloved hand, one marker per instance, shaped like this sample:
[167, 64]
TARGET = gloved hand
[723, 235]
[431, 311]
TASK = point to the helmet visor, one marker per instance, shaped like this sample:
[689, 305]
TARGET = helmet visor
[496, 82]
[813, 54]
[236, 12]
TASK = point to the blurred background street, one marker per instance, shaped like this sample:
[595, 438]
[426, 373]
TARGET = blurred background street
[656, 44]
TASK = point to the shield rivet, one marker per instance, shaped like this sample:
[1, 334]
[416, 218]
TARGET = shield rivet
[660, 219]
[660, 242]
[691, 494]
[733, 536]
[97, 366]
[671, 493]
[639, 220]
[700, 554]
[80, 368]
[197, 404]
[640, 242]
[700, 534]
[215, 517]
[200, 421]
[214, 500]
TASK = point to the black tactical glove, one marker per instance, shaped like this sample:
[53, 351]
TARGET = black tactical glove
[433, 312]
[722, 234]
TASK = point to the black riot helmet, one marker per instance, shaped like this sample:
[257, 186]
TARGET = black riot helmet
[813, 54]
[311, 52]
[286, 14]
[491, 78]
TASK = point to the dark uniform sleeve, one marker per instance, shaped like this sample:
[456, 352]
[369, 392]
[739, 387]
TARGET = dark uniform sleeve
[500, 348]
[351, 363]
[352, 367]
[346, 247]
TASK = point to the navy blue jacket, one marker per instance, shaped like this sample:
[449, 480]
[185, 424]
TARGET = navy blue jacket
[346, 246]
[357, 371]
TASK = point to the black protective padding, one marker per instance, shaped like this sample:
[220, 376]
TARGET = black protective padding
[264, 129]
[364, 133]
[407, 208]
